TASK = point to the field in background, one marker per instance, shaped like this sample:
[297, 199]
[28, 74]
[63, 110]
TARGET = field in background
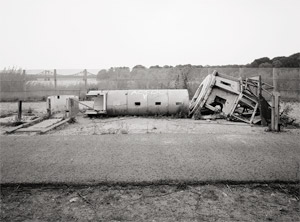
[286, 80]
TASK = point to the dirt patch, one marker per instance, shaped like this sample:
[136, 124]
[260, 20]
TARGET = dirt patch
[255, 202]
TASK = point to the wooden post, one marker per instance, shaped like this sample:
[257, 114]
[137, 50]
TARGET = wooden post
[273, 113]
[48, 107]
[24, 79]
[276, 109]
[19, 111]
[55, 79]
[85, 79]
[275, 102]
[275, 80]
[260, 99]
[24, 84]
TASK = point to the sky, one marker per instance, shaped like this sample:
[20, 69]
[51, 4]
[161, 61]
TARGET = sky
[96, 34]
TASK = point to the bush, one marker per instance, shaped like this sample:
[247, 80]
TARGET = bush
[285, 118]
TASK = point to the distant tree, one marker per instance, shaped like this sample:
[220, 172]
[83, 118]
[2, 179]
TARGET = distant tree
[101, 73]
[155, 67]
[265, 65]
[139, 67]
[277, 63]
[184, 66]
[295, 56]
[292, 61]
[256, 63]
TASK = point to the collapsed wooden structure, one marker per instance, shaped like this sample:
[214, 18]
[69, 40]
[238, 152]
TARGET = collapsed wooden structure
[236, 99]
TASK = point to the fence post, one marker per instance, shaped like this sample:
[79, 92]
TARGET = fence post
[85, 79]
[55, 79]
[260, 99]
[24, 83]
[19, 111]
[275, 79]
[277, 115]
[24, 79]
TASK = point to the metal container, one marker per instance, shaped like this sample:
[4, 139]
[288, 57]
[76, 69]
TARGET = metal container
[141, 102]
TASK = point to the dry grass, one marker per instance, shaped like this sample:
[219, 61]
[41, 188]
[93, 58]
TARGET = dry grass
[182, 202]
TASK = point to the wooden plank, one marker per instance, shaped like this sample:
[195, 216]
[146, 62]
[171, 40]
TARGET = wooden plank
[235, 104]
[254, 112]
[27, 130]
[54, 126]
[242, 119]
[25, 125]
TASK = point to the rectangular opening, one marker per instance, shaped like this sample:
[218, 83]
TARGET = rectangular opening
[157, 103]
[178, 103]
[137, 103]
[99, 103]
[220, 100]
[226, 83]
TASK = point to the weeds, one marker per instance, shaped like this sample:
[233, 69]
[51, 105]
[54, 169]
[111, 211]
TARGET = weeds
[30, 110]
[286, 119]
[72, 120]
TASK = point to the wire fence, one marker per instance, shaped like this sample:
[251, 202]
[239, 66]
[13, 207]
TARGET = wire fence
[39, 85]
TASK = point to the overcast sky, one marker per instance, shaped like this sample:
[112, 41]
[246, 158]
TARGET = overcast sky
[99, 34]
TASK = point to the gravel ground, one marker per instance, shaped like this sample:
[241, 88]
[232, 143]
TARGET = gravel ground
[222, 156]
[254, 202]
[181, 202]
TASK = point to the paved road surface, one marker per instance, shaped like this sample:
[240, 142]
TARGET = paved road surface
[149, 157]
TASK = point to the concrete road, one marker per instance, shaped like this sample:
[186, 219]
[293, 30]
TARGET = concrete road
[149, 158]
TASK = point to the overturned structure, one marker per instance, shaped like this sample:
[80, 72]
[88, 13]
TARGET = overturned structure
[232, 98]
